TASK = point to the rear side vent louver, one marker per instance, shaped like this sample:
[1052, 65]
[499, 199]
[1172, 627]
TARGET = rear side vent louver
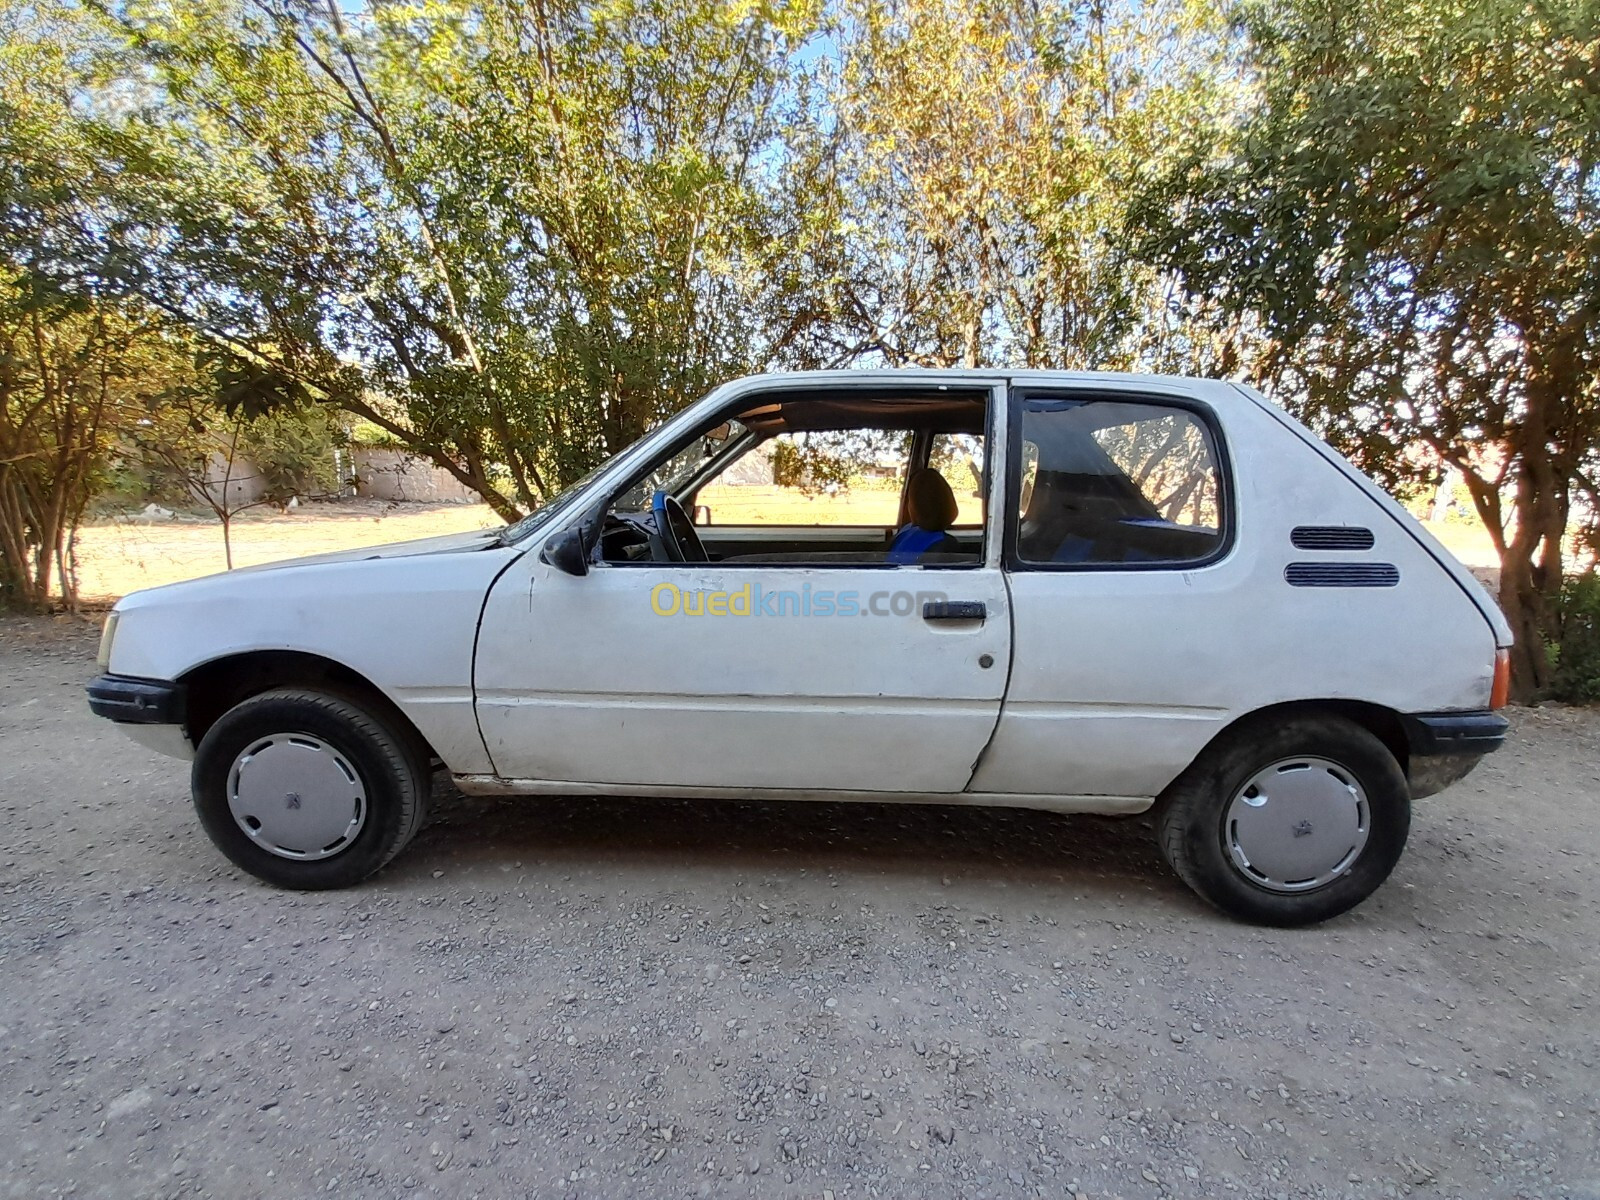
[1331, 537]
[1341, 574]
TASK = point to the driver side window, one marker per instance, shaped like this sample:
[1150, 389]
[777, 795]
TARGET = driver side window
[816, 478]
[819, 481]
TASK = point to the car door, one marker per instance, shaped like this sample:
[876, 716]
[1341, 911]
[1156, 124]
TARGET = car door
[703, 676]
[1128, 590]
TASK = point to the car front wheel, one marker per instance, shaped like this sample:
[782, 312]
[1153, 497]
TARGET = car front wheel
[309, 790]
[1287, 821]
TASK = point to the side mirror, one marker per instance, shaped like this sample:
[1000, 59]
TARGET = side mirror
[566, 552]
[702, 514]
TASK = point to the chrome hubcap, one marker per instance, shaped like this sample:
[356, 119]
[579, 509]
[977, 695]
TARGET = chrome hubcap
[1297, 824]
[295, 796]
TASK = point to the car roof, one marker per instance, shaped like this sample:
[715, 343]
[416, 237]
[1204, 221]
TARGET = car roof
[968, 375]
[1217, 390]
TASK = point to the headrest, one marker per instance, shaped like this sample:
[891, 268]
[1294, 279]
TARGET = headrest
[930, 504]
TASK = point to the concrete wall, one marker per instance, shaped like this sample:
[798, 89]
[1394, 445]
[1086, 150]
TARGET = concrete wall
[242, 484]
[391, 475]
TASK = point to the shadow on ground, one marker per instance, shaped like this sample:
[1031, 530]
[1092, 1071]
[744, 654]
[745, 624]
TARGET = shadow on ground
[907, 840]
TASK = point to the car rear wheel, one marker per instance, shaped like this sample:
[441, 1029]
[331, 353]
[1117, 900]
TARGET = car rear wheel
[309, 790]
[1287, 821]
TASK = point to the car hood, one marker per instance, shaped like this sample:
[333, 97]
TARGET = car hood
[447, 543]
[229, 583]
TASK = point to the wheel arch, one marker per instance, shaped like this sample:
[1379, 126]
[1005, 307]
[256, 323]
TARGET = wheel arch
[215, 686]
[1382, 722]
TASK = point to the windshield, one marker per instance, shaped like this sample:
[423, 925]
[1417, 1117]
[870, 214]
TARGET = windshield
[520, 529]
[677, 469]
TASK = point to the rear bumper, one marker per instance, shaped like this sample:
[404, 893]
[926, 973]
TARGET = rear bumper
[130, 701]
[1446, 746]
[1455, 732]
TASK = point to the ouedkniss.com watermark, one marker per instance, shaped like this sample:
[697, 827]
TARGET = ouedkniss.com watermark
[669, 600]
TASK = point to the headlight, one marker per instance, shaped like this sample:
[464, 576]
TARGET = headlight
[108, 634]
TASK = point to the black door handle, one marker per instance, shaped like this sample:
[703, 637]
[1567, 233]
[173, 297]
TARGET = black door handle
[954, 610]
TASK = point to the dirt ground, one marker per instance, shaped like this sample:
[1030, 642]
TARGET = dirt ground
[598, 998]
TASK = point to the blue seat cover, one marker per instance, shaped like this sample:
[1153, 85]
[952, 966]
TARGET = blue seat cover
[912, 542]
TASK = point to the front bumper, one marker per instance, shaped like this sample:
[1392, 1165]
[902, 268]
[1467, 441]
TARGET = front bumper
[130, 701]
[1446, 746]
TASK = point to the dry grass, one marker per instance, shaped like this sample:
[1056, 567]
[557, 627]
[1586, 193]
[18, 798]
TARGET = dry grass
[1470, 543]
[117, 557]
[766, 504]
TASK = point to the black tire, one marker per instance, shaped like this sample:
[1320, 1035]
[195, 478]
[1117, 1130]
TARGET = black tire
[1190, 817]
[393, 769]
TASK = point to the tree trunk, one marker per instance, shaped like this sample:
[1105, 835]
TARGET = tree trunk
[1530, 574]
[16, 570]
[1527, 614]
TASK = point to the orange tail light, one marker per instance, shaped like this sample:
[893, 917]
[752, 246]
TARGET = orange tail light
[1500, 693]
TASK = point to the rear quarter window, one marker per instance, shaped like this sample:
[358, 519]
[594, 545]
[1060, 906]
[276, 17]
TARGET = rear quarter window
[1114, 482]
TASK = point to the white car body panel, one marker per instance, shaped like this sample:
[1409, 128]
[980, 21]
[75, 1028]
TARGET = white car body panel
[1468, 582]
[1105, 683]
[404, 617]
[630, 697]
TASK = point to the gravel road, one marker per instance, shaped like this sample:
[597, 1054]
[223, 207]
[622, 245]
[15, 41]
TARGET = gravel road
[594, 998]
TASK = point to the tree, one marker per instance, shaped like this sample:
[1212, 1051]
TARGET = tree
[512, 233]
[983, 156]
[71, 374]
[230, 458]
[75, 365]
[1412, 216]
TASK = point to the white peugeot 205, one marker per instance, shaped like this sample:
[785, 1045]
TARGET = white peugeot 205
[1085, 593]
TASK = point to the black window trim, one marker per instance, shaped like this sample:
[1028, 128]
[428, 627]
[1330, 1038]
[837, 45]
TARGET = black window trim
[1204, 413]
[596, 513]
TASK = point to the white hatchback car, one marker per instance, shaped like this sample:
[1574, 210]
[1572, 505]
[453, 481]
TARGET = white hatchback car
[1085, 593]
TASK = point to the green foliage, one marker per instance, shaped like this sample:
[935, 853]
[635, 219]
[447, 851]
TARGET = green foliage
[132, 479]
[514, 237]
[80, 364]
[365, 433]
[293, 452]
[533, 231]
[982, 158]
[1576, 675]
[811, 467]
[832, 461]
[71, 376]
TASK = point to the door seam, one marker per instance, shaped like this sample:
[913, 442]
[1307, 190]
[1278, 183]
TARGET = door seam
[1005, 691]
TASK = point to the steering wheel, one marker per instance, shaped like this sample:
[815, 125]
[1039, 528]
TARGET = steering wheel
[680, 542]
